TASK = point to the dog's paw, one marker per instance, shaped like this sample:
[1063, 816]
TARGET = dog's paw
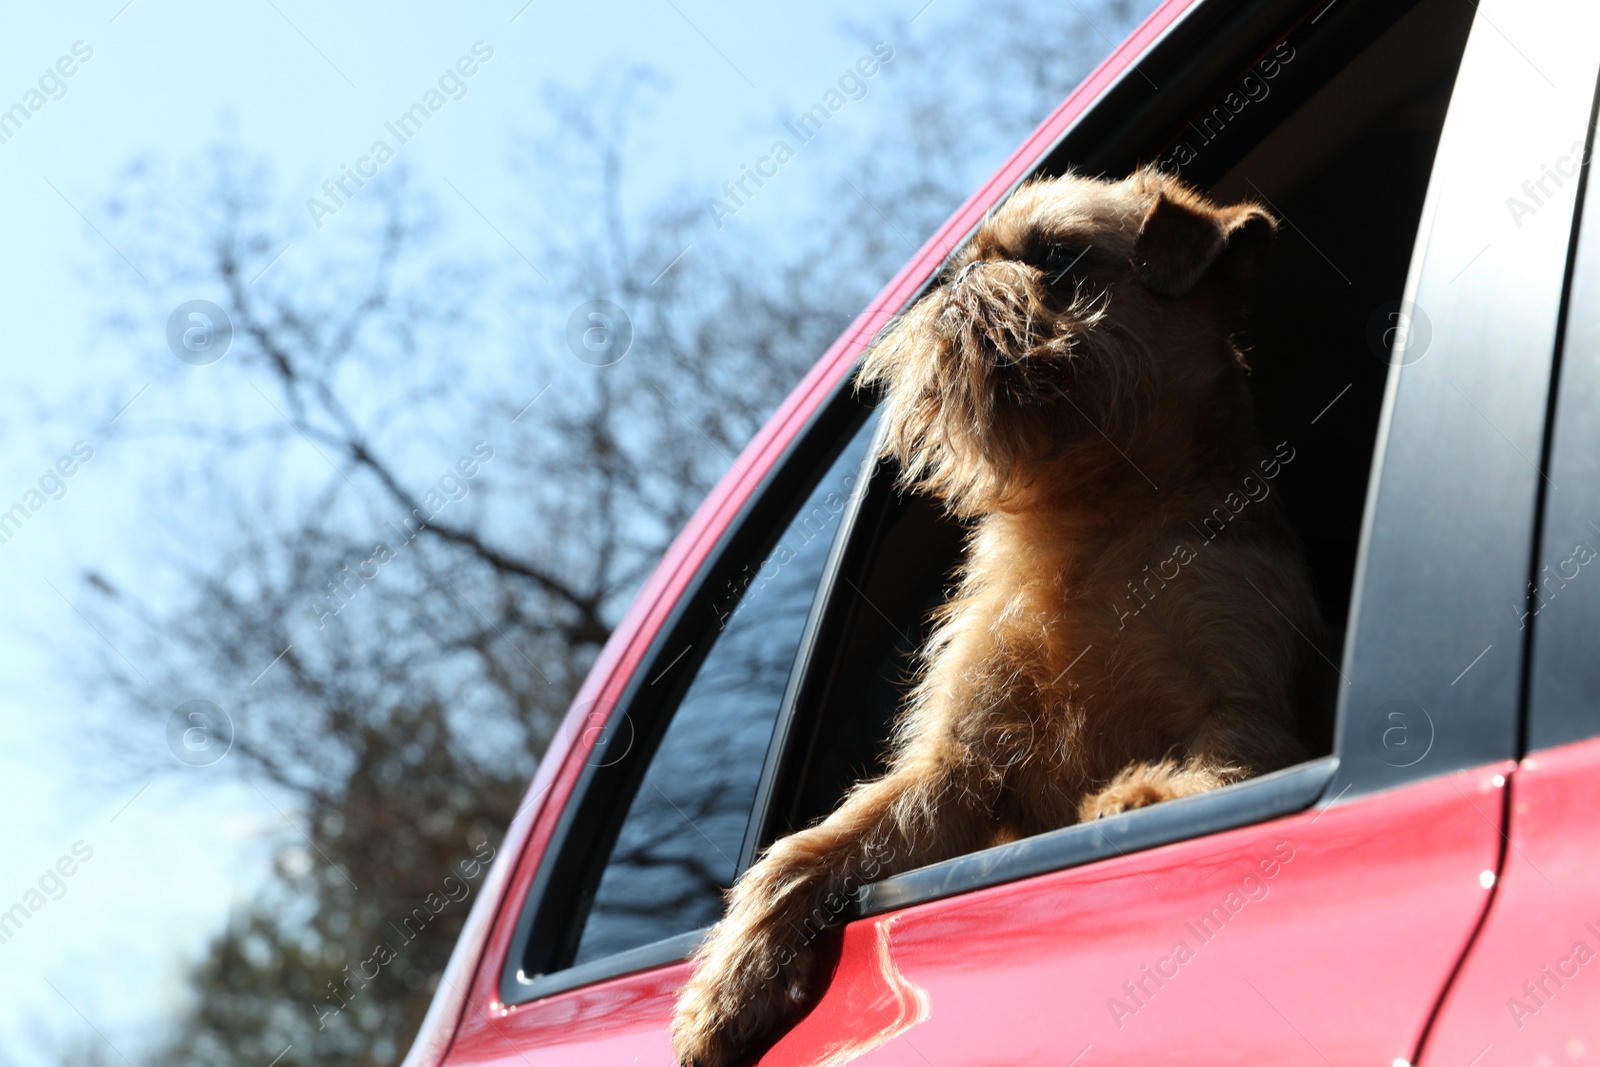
[707, 1016]
[738, 993]
[1138, 786]
[1144, 784]
[700, 1036]
[1103, 805]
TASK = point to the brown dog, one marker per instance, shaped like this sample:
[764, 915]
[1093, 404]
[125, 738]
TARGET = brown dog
[1133, 620]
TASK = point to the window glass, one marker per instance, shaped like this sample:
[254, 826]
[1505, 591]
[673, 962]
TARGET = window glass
[678, 846]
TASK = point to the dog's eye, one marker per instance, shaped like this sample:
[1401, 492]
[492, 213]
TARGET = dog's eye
[1057, 257]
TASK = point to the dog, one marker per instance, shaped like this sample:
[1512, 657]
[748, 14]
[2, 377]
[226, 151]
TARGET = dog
[1120, 632]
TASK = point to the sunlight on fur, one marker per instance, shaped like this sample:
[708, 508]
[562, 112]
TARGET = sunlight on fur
[1070, 387]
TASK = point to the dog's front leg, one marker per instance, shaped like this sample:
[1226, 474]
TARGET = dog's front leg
[755, 965]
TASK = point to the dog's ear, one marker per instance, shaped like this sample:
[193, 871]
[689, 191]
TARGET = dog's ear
[1182, 239]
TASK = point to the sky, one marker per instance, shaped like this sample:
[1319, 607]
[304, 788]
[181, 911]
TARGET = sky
[159, 850]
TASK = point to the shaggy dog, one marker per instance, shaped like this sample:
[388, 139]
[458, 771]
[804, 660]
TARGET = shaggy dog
[1125, 630]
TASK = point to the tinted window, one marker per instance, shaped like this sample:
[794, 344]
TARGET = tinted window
[678, 846]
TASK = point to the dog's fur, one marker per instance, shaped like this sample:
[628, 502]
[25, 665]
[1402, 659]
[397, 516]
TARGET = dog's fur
[1086, 416]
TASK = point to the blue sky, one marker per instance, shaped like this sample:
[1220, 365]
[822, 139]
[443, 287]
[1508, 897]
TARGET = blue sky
[309, 86]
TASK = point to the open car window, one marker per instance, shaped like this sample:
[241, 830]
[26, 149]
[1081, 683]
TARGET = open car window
[1336, 134]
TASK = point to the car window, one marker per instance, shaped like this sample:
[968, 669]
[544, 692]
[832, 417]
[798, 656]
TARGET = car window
[1320, 353]
[677, 848]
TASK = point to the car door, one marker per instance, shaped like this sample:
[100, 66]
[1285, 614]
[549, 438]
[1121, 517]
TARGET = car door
[1315, 915]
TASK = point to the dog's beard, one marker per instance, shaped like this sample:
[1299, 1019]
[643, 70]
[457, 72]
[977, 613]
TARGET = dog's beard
[996, 370]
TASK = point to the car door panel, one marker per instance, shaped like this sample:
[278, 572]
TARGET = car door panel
[620, 1021]
[1226, 949]
[1034, 971]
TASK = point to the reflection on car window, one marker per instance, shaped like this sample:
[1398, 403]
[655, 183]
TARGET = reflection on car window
[677, 849]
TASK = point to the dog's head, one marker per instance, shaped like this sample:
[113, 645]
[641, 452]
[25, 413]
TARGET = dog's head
[1078, 308]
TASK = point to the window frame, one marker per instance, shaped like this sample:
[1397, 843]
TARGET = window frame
[593, 811]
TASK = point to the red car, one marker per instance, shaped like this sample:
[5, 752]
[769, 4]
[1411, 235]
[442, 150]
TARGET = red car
[1427, 351]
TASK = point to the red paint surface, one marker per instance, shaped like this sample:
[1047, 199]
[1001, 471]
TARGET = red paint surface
[1546, 905]
[1336, 954]
[1343, 932]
